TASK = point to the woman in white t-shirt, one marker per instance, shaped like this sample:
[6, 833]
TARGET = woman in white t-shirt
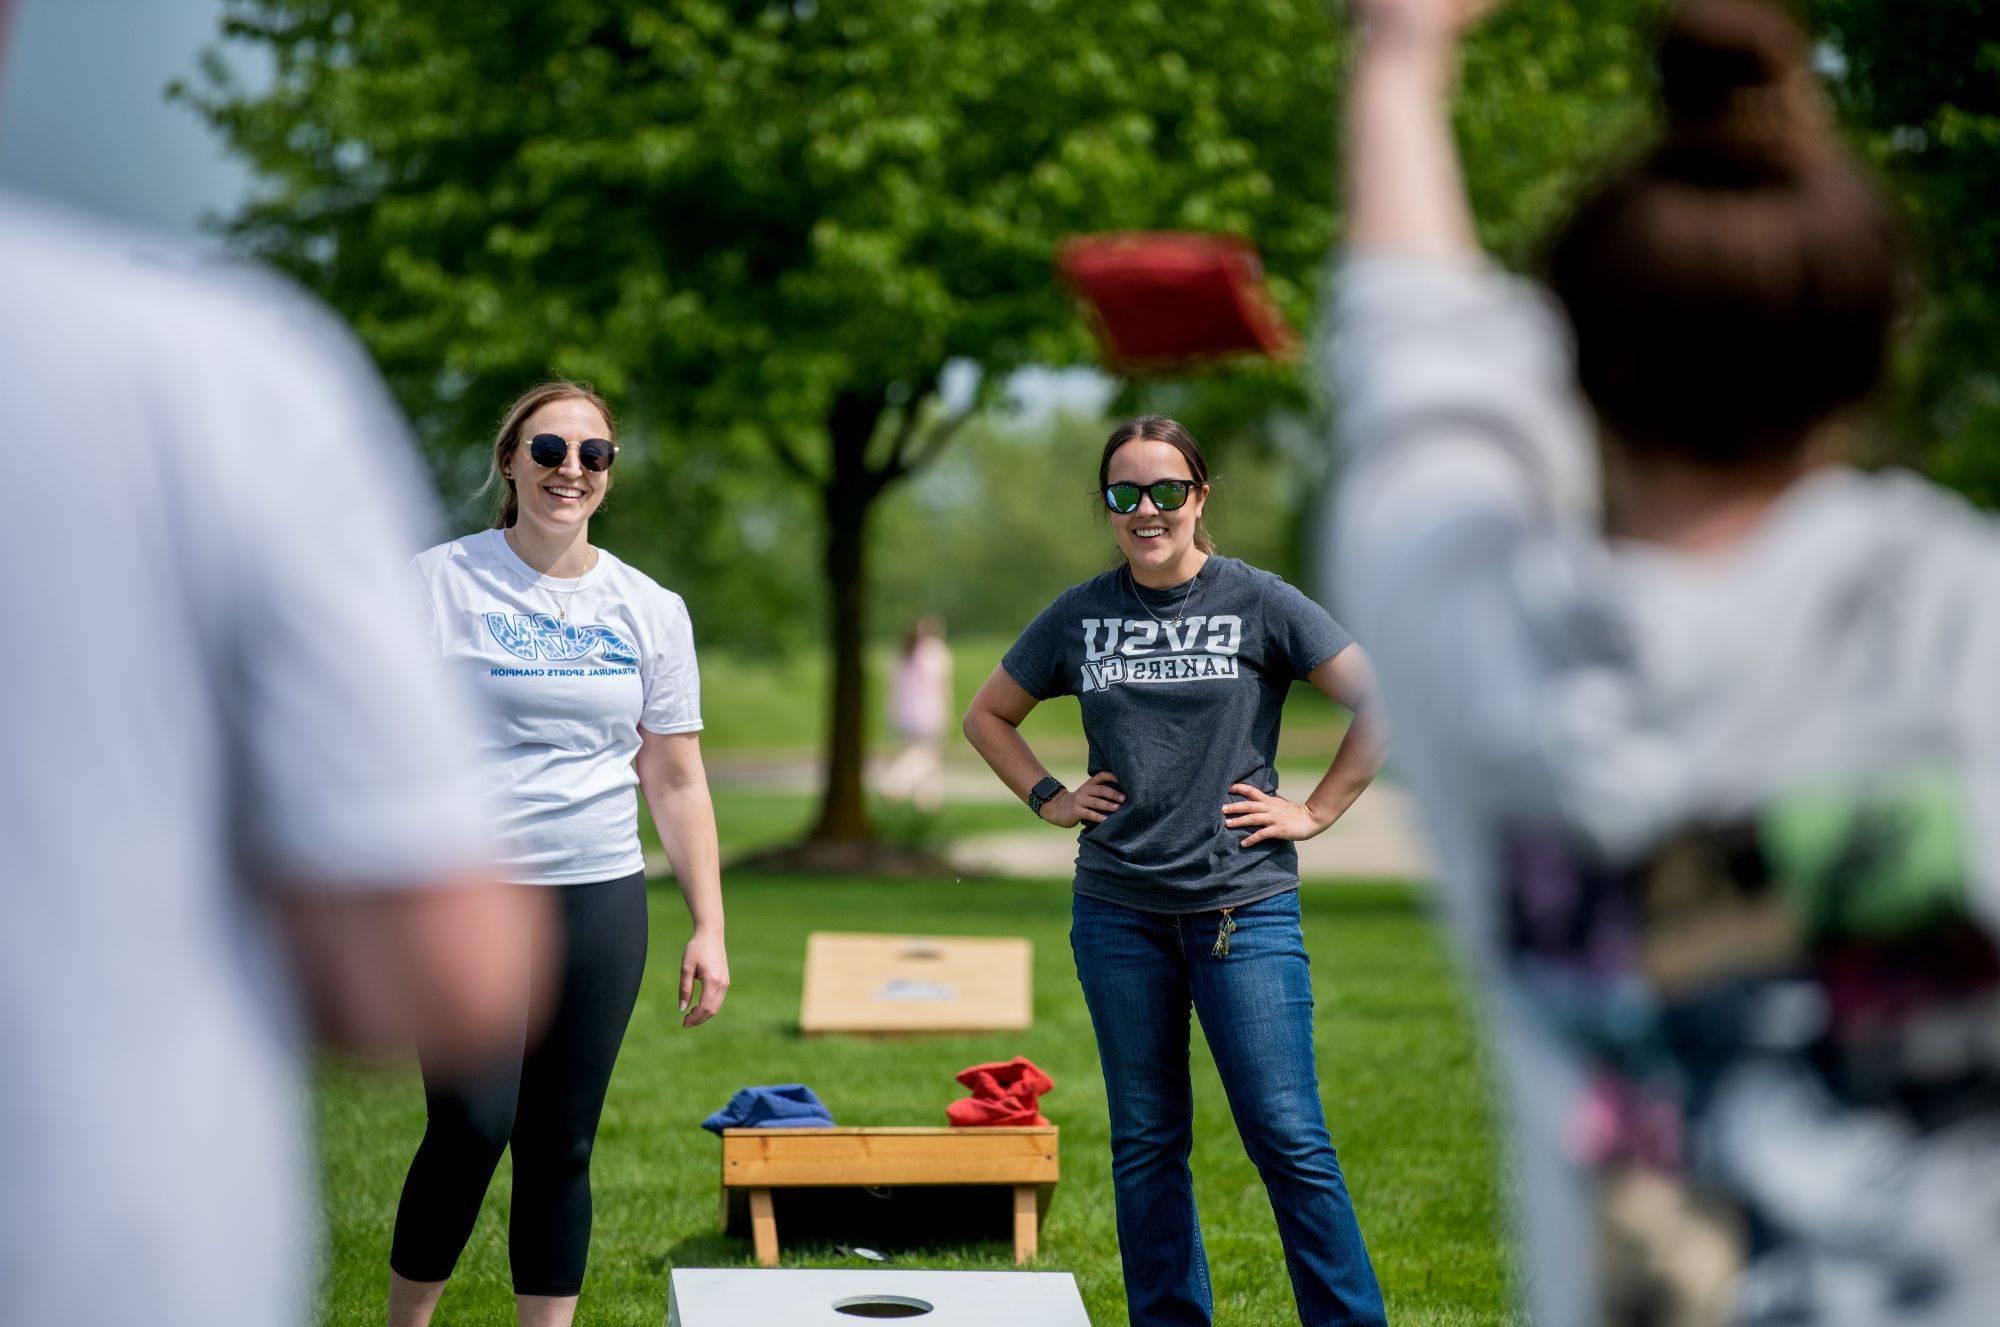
[587, 668]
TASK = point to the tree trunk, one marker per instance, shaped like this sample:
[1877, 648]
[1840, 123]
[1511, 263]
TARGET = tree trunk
[849, 493]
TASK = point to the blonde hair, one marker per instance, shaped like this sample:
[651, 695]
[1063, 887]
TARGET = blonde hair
[505, 442]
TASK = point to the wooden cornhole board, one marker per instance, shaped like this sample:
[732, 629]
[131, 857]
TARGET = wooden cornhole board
[911, 983]
[716, 1297]
[757, 1161]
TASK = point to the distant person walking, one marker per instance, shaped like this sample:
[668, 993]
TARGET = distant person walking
[587, 669]
[1714, 768]
[236, 799]
[1186, 877]
[920, 708]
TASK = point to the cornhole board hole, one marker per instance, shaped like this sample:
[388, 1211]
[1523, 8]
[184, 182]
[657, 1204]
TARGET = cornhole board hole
[711, 1297]
[1010, 1173]
[911, 983]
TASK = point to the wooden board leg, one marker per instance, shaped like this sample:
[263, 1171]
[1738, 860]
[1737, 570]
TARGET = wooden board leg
[1026, 1222]
[763, 1228]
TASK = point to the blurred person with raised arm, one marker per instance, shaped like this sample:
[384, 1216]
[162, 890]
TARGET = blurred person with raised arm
[1702, 721]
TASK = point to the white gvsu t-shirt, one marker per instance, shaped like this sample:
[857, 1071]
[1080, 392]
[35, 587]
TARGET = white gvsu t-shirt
[569, 670]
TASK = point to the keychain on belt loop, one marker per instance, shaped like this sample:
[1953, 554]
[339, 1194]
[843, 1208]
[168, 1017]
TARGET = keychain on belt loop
[1222, 934]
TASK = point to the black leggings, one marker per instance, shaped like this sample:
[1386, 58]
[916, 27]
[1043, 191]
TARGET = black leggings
[545, 1103]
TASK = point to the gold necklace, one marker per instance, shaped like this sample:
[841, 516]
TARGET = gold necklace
[562, 605]
[562, 608]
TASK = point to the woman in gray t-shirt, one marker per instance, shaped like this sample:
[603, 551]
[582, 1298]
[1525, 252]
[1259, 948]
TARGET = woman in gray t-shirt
[1186, 877]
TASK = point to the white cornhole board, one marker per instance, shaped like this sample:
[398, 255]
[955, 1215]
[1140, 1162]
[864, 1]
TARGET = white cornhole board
[709, 1297]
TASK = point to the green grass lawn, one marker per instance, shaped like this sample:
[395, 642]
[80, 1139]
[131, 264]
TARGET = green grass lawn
[1401, 1077]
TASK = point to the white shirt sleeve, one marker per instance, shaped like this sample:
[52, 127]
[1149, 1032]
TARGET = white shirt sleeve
[672, 701]
[353, 751]
[1466, 556]
[1425, 350]
[1466, 551]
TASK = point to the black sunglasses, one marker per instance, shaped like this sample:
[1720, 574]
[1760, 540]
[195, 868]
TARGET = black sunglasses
[549, 451]
[1167, 495]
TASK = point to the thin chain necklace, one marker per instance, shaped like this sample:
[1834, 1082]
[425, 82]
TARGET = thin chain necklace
[562, 603]
[1185, 595]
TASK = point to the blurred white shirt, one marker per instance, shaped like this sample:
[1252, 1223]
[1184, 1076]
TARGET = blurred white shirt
[214, 689]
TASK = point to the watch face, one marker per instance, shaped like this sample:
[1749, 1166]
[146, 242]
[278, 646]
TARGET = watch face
[1039, 795]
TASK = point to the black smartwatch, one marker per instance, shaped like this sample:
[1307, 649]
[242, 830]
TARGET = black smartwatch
[1039, 795]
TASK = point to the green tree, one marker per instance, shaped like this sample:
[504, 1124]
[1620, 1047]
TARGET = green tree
[766, 228]
[1922, 79]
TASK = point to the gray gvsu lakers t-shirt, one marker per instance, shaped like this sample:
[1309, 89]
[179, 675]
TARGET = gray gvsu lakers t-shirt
[1178, 711]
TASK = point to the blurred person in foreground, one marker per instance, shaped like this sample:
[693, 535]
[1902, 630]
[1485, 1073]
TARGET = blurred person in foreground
[234, 802]
[1712, 768]
[587, 669]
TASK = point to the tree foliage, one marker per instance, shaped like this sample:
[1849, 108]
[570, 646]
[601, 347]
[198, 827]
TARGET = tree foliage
[764, 228]
[1922, 80]
[733, 214]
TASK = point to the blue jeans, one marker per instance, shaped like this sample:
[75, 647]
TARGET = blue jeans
[1140, 972]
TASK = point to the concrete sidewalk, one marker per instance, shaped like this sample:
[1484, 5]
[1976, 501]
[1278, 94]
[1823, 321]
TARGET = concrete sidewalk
[1376, 839]
[781, 773]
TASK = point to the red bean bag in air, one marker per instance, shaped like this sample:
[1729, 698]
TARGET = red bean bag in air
[1162, 299]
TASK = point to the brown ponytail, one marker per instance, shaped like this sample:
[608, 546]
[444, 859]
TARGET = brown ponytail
[1738, 283]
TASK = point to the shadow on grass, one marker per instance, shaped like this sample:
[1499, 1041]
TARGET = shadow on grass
[711, 1250]
[718, 1250]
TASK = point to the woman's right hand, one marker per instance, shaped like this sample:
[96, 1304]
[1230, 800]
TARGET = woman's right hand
[1095, 799]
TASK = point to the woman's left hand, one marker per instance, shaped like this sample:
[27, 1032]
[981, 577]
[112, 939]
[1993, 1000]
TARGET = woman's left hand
[705, 961]
[1271, 815]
